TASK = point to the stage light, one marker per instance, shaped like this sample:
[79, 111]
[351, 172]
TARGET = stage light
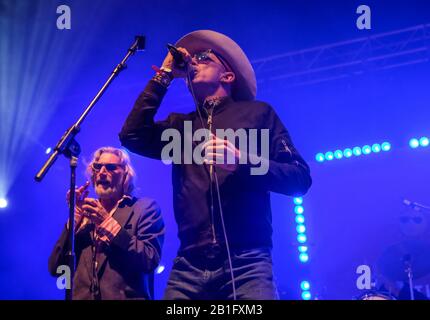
[3, 203]
[305, 285]
[303, 249]
[304, 257]
[301, 228]
[299, 209]
[48, 150]
[414, 143]
[300, 219]
[298, 200]
[366, 149]
[386, 146]
[329, 156]
[319, 157]
[306, 295]
[160, 269]
[301, 238]
[338, 154]
[356, 151]
[39, 63]
[347, 153]
[424, 142]
[376, 147]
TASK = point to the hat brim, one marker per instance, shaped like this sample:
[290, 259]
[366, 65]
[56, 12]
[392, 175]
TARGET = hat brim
[245, 84]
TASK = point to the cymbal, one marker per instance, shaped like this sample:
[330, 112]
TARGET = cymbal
[394, 260]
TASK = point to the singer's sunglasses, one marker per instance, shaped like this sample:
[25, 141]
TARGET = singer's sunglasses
[109, 166]
[204, 57]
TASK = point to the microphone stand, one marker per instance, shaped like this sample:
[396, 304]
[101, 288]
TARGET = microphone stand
[70, 148]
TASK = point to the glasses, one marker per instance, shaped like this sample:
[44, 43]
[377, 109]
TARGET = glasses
[204, 57]
[109, 166]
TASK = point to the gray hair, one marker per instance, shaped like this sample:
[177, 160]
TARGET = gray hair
[130, 174]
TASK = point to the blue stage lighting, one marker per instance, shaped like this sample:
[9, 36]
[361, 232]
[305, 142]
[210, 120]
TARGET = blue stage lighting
[414, 143]
[303, 249]
[301, 238]
[376, 147]
[306, 295]
[347, 153]
[356, 151]
[160, 269]
[338, 154]
[300, 219]
[3, 203]
[386, 146]
[304, 257]
[298, 201]
[305, 285]
[329, 155]
[424, 142]
[301, 228]
[320, 157]
[299, 209]
[366, 149]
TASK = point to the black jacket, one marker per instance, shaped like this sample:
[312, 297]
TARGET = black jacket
[125, 268]
[245, 198]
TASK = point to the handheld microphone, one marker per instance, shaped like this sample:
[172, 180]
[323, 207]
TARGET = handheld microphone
[177, 56]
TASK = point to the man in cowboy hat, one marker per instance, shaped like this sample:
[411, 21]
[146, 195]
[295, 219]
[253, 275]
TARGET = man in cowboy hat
[222, 209]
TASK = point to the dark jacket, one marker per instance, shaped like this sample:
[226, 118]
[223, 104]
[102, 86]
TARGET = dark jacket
[125, 267]
[245, 198]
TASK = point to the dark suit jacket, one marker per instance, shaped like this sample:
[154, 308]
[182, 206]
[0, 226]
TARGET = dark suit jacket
[125, 267]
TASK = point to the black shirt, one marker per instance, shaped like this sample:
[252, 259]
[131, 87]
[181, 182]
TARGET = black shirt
[245, 198]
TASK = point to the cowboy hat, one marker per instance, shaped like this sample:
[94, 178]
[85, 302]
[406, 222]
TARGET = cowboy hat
[245, 84]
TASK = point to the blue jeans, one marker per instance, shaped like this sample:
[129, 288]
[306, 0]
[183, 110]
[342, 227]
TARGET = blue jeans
[209, 277]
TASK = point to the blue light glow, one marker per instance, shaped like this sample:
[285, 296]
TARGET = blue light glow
[304, 257]
[356, 151]
[329, 156]
[414, 143]
[305, 285]
[306, 295]
[347, 153]
[298, 201]
[376, 147]
[424, 142]
[3, 203]
[386, 146]
[300, 219]
[366, 149]
[319, 157]
[303, 249]
[299, 209]
[301, 238]
[160, 269]
[301, 228]
[338, 154]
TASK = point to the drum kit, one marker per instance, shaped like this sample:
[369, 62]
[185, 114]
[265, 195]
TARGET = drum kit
[405, 261]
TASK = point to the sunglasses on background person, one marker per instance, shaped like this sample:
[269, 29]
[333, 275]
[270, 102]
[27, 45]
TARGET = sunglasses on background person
[109, 166]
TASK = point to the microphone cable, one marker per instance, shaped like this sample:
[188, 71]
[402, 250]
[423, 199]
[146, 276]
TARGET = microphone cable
[213, 174]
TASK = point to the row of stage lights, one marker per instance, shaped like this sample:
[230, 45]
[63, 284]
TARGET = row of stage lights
[356, 151]
[302, 240]
[367, 149]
